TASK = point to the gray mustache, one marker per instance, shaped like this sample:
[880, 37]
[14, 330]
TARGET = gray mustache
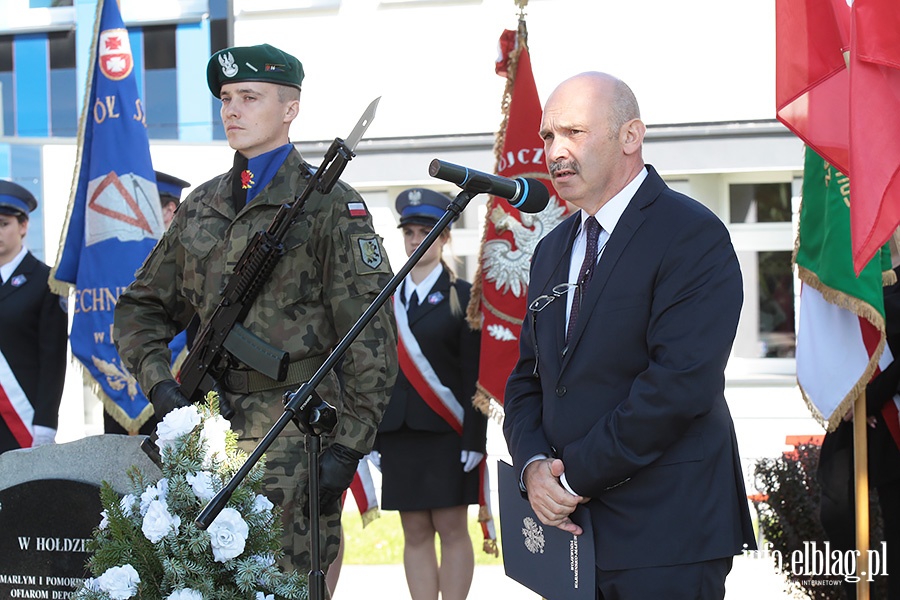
[562, 166]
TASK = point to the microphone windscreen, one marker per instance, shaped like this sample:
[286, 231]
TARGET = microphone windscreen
[535, 196]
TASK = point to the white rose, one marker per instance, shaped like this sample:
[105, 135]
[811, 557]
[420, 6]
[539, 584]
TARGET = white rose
[228, 534]
[104, 521]
[202, 484]
[154, 492]
[185, 594]
[158, 522]
[176, 424]
[119, 582]
[127, 504]
[261, 596]
[262, 504]
[213, 435]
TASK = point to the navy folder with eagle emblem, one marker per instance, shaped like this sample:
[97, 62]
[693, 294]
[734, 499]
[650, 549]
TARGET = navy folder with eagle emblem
[547, 560]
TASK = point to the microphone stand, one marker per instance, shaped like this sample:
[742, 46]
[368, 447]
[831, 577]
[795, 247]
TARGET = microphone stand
[314, 416]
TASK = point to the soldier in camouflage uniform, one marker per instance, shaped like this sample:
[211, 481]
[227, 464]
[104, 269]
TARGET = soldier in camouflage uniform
[333, 268]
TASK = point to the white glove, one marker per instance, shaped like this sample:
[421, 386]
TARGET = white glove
[374, 457]
[43, 436]
[470, 459]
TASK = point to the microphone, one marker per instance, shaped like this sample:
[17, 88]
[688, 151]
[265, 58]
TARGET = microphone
[527, 194]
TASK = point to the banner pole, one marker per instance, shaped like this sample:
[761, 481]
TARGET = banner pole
[861, 467]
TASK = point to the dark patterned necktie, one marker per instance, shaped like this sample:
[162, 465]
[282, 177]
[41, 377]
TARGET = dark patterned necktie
[592, 231]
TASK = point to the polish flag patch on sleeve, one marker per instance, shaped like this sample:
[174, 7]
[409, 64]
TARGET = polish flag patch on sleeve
[357, 209]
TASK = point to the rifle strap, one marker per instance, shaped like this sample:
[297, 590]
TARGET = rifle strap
[248, 381]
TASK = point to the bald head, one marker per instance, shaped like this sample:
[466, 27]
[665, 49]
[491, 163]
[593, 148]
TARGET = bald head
[593, 137]
[607, 93]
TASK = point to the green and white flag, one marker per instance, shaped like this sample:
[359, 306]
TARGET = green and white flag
[841, 335]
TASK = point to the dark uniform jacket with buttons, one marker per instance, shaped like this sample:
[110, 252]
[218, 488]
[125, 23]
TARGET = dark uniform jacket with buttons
[33, 339]
[452, 349]
[635, 407]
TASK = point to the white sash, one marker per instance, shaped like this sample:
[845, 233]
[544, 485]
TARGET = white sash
[15, 409]
[421, 375]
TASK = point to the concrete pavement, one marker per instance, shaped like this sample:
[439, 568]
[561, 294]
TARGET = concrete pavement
[750, 579]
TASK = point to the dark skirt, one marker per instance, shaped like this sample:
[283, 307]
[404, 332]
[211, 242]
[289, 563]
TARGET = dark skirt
[421, 470]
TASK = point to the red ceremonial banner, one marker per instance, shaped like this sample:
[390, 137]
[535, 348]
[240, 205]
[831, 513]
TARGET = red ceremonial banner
[501, 284]
[838, 89]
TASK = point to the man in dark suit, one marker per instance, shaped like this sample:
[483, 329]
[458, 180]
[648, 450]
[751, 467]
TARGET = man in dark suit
[617, 400]
[33, 337]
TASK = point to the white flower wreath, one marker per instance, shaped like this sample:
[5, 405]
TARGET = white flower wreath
[148, 545]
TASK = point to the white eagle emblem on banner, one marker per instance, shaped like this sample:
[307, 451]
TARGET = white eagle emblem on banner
[508, 266]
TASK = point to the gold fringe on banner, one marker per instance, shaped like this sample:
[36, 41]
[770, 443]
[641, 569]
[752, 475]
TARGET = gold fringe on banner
[370, 515]
[861, 309]
[487, 404]
[473, 310]
[490, 546]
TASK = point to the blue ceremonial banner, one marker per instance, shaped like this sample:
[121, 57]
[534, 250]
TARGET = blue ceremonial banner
[114, 217]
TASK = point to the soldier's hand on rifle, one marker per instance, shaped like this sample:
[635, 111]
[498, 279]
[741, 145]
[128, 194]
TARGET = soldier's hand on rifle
[165, 397]
[226, 409]
[337, 466]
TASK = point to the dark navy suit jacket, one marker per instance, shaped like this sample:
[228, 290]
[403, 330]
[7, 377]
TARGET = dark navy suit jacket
[33, 339]
[635, 407]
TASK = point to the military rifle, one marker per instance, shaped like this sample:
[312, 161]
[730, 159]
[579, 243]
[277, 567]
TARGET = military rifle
[224, 339]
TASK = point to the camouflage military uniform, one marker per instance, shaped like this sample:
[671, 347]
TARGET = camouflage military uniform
[334, 266]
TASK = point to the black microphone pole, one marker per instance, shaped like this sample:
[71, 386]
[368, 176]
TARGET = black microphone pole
[314, 416]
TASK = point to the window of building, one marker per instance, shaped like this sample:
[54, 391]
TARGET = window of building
[760, 202]
[777, 335]
[159, 47]
[7, 118]
[64, 87]
[762, 215]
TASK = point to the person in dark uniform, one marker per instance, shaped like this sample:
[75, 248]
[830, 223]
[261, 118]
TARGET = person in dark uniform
[432, 438]
[835, 470]
[33, 338]
[169, 188]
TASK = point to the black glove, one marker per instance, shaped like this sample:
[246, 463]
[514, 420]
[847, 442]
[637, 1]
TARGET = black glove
[225, 407]
[337, 466]
[165, 397]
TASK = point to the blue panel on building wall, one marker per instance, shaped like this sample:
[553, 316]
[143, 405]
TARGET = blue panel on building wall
[9, 113]
[136, 39]
[25, 166]
[5, 150]
[218, 130]
[161, 104]
[194, 117]
[85, 16]
[219, 9]
[64, 103]
[31, 60]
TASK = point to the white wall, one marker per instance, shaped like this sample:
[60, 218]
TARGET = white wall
[433, 63]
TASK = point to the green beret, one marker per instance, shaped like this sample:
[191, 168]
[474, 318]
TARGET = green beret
[252, 63]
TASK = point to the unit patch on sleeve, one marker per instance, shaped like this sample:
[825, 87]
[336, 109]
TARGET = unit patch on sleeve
[370, 256]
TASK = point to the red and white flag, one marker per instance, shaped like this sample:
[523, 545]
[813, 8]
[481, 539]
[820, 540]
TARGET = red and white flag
[500, 288]
[838, 88]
